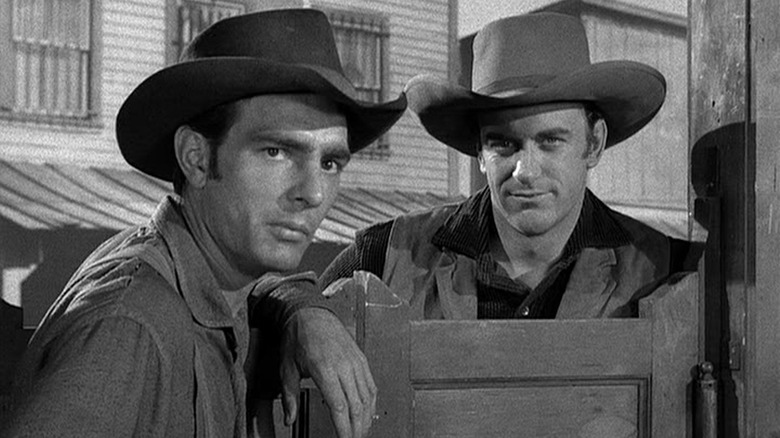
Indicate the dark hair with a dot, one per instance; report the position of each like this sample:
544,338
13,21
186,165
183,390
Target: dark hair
213,124
592,115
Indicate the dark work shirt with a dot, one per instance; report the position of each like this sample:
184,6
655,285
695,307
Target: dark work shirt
468,232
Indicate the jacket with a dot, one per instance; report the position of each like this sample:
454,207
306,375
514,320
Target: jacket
141,342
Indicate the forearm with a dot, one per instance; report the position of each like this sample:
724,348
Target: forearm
275,299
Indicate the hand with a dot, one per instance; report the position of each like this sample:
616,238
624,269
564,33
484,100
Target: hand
316,344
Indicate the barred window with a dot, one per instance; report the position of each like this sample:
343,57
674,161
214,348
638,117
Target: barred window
47,74
192,16
361,40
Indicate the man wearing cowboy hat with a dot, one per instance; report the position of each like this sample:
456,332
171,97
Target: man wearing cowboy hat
535,243
150,336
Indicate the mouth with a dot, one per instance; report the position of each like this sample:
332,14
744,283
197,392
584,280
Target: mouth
291,231
528,195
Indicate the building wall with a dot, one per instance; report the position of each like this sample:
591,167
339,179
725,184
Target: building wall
419,43
651,168
130,45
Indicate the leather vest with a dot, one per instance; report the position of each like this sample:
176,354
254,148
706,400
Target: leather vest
441,284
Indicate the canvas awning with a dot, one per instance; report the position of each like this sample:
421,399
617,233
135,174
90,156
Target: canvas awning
49,196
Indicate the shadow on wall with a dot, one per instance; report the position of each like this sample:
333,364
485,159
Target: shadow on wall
719,177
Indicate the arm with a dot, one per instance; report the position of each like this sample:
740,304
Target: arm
314,343
102,379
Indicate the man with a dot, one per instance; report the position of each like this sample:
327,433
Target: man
150,336
535,243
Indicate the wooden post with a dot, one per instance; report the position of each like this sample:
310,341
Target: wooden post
763,320
735,111
719,113
382,332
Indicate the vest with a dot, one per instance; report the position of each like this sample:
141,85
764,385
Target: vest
441,284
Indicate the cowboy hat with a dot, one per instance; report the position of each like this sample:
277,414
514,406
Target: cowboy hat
284,51
530,60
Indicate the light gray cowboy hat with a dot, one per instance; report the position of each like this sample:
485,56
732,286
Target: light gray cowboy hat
284,51
530,60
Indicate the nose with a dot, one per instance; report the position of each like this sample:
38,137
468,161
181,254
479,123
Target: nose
527,164
309,191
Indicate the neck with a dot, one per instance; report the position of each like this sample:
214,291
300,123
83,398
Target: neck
228,276
521,254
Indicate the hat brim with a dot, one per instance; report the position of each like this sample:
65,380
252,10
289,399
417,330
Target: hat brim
628,94
149,117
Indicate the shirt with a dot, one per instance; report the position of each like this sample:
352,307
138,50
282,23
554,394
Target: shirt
468,232
123,353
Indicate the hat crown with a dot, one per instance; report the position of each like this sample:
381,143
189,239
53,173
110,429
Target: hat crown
288,36
517,54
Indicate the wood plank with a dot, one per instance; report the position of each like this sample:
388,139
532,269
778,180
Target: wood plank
719,112
442,350
603,409
764,306
674,311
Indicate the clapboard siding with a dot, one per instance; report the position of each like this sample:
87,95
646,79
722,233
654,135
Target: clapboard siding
651,168
131,41
133,48
418,44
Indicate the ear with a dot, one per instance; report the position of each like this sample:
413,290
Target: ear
598,144
481,162
192,154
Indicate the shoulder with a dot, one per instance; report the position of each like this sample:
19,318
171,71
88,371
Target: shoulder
125,287
674,255
434,216
640,233
416,223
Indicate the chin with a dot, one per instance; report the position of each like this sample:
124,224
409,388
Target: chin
283,259
531,226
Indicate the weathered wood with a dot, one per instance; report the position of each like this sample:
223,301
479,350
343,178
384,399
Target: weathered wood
383,334
511,350
673,312
530,378
763,353
721,155
597,409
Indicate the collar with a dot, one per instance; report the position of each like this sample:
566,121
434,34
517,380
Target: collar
197,284
468,229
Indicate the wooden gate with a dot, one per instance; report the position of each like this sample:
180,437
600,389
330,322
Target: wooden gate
543,378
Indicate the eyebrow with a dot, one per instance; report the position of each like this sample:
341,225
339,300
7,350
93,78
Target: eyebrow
553,131
543,133
331,151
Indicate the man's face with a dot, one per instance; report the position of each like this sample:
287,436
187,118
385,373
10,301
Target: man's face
536,160
279,170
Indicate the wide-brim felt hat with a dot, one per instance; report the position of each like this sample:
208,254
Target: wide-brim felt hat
536,59
272,52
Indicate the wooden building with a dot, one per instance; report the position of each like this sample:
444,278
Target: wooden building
68,66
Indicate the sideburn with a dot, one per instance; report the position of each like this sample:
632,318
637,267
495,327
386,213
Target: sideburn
213,171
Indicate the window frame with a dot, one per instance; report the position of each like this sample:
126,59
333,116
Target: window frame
380,148
173,44
91,116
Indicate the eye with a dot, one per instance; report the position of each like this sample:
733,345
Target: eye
551,141
332,166
501,145
272,152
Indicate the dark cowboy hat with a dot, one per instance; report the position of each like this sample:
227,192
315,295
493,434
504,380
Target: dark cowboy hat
285,51
530,60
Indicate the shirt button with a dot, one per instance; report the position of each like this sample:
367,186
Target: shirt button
525,311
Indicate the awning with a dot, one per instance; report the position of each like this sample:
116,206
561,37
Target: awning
49,196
